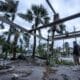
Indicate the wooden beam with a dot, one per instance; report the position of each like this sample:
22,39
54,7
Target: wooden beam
41,27
51,6
70,35
57,22
17,26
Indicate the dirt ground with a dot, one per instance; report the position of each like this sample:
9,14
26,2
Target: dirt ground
27,71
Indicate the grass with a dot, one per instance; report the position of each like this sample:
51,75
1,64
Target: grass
63,62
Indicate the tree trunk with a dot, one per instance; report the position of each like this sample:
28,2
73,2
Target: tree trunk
34,45
52,44
15,45
14,52
9,36
40,37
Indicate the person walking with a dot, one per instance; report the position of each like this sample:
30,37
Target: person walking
76,53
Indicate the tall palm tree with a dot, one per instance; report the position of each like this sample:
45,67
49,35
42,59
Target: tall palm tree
36,15
10,8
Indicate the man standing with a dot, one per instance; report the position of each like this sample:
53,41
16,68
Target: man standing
76,53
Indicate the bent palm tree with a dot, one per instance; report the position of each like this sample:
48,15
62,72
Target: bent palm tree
36,15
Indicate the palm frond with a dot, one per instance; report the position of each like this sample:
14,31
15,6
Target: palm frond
3,6
28,16
22,15
12,5
43,11
35,10
39,10
60,29
46,20
26,38
9,6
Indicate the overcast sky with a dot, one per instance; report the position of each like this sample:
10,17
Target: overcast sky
63,7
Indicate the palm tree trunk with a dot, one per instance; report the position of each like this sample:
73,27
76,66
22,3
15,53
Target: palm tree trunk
8,40
52,50
13,18
52,44
40,36
34,45
9,36
47,61
15,46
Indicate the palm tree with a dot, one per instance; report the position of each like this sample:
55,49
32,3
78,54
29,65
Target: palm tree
9,6
12,10
36,15
60,29
5,45
17,38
